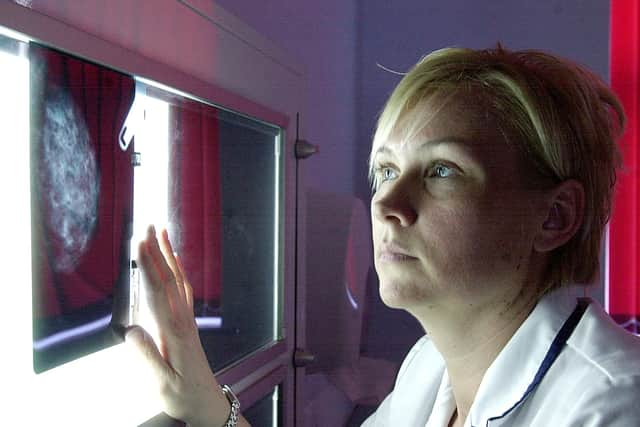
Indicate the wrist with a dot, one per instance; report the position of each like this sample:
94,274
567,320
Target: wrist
213,413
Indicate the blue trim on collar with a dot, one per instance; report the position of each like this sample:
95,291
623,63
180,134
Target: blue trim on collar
552,354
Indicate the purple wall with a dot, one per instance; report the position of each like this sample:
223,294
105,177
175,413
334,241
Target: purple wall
321,35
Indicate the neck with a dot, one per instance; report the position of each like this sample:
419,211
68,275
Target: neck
470,336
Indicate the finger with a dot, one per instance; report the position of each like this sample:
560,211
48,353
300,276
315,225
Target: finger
157,298
188,290
165,274
138,338
158,257
167,251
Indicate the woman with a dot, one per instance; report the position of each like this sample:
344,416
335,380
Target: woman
492,174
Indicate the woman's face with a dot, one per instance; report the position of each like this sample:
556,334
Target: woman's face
453,219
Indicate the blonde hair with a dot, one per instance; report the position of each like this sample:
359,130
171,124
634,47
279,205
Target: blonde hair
562,117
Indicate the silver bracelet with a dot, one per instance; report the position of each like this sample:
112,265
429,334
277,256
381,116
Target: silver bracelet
232,421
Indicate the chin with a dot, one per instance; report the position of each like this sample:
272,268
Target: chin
396,294
391,301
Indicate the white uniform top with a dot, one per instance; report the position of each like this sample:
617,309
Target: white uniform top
595,380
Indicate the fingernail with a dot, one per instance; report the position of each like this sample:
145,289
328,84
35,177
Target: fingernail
152,230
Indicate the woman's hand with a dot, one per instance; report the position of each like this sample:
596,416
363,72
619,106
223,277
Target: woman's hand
188,388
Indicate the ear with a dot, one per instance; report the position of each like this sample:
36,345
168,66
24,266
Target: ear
565,213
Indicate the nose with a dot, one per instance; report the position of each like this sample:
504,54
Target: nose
394,205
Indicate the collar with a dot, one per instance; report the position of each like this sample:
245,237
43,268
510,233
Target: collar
444,404
514,370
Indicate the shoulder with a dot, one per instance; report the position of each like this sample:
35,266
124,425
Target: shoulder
594,381
601,373
604,349
605,401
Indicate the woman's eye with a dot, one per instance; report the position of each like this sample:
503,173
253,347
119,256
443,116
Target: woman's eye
442,171
383,174
388,173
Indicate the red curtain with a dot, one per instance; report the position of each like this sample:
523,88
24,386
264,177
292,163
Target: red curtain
624,230
82,182
195,199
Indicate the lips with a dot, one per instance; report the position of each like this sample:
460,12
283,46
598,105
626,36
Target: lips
391,251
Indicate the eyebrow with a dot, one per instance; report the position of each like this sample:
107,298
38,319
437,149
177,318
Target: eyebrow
447,140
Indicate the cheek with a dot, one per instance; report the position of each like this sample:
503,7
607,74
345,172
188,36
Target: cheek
465,244
375,229
497,240
453,232
378,229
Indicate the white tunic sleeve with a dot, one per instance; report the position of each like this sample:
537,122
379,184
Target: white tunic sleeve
609,403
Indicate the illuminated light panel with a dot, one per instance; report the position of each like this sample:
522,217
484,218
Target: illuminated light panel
79,393
275,406
151,188
15,251
73,394
117,376
6,32
151,181
209,322
276,247
73,333
168,89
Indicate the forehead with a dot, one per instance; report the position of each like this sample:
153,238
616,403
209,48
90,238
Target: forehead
464,117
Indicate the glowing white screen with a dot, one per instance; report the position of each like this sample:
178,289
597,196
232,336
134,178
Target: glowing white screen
108,388
150,203
15,250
